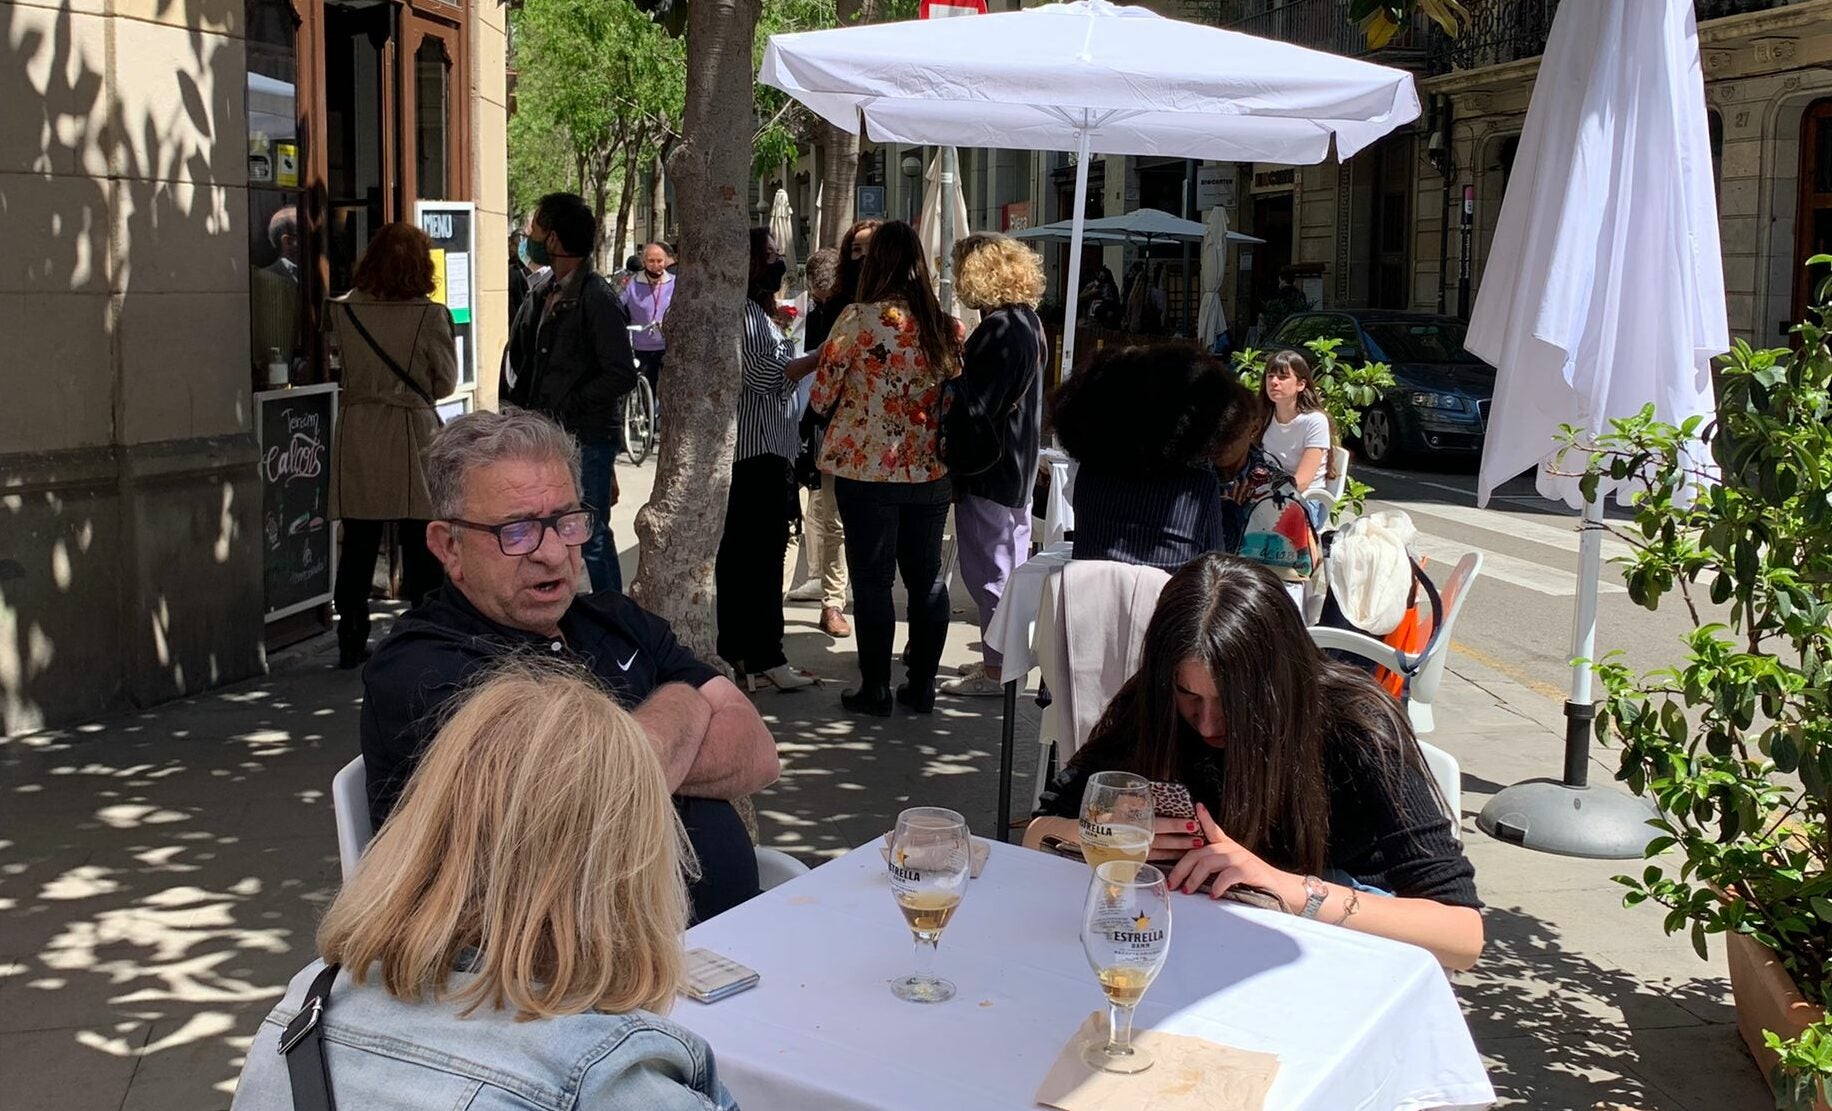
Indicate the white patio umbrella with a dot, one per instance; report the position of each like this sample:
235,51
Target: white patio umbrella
1604,291
1090,75
1213,320
939,236
1142,225
782,226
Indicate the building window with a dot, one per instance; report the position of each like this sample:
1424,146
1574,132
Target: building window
432,118
1813,222
276,232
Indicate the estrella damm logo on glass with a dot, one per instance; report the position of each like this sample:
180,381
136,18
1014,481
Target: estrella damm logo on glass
905,875
1091,828
1141,933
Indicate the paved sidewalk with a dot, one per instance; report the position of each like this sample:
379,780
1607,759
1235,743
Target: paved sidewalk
161,873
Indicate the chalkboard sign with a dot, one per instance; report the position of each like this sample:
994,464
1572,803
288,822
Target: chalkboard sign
295,427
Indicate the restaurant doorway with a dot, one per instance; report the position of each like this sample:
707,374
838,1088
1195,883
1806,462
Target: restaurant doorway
1273,218
1813,219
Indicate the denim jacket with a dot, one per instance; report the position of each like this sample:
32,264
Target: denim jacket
382,1052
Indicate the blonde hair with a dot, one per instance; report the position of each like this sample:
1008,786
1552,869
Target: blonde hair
994,270
537,831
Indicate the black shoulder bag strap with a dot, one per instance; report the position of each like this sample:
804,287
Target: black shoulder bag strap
406,378
1410,667
302,1044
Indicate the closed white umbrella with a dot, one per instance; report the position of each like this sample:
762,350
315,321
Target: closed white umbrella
1090,75
1213,320
782,226
1604,291
938,236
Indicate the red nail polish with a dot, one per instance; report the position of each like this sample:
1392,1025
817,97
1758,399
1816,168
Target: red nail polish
1190,826
1196,842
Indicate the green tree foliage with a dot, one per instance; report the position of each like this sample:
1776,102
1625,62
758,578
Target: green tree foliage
1736,744
599,91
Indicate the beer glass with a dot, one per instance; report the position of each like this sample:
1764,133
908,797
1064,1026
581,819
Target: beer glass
1125,930
1117,821
929,865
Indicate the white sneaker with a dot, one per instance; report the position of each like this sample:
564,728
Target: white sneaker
970,669
975,685
784,677
809,591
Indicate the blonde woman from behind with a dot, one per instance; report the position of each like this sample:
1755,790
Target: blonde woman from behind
513,933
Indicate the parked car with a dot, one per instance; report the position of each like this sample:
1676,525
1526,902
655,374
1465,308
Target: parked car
1441,393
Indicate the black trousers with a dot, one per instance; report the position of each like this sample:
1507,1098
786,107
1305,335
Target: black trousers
748,575
894,527
362,542
728,863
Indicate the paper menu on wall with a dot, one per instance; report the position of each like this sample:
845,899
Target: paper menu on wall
439,276
458,283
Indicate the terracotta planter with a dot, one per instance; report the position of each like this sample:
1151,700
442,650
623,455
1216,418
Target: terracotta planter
1766,999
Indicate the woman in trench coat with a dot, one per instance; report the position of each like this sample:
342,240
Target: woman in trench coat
398,358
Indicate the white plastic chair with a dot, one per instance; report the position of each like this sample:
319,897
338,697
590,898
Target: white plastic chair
1423,690
775,868
350,806
1338,486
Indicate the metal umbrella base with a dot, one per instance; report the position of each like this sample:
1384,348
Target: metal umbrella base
1553,817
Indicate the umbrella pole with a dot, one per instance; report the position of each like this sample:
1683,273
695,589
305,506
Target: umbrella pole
945,260
1078,227
1569,817
1580,708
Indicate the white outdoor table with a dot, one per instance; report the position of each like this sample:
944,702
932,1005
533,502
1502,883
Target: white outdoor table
1356,1021
1011,632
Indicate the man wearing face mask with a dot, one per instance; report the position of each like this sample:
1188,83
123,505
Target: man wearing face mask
748,574
569,357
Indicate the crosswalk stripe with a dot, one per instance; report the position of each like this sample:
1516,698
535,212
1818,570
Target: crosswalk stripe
1509,569
1517,526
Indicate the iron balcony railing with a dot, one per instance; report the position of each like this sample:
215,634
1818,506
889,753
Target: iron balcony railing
1497,32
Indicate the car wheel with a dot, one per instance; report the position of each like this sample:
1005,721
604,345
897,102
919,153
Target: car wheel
1380,436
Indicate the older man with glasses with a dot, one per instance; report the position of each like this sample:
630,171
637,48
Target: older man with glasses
509,528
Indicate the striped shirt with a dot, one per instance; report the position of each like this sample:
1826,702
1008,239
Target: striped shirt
766,426
1161,522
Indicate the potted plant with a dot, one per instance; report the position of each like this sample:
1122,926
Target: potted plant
1346,391
1735,743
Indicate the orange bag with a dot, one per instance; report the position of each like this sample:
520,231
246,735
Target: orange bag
1413,636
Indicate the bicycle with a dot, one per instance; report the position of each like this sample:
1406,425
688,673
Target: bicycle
639,421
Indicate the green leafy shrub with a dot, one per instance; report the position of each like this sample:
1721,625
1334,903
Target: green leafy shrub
1735,744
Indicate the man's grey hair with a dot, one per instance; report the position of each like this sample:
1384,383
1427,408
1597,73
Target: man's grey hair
483,438
281,224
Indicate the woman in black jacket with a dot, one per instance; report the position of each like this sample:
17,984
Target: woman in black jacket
1002,380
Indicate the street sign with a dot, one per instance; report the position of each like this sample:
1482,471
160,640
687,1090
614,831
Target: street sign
870,205
1215,186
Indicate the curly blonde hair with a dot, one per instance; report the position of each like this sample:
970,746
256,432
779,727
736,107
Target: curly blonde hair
994,270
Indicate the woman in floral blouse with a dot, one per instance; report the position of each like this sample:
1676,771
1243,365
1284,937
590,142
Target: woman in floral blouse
880,376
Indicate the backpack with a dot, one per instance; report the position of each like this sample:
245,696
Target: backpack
1268,524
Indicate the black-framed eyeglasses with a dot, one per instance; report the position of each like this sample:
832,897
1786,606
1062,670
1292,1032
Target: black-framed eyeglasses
519,538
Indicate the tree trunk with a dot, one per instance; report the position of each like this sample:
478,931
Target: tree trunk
625,204
601,187
840,172
658,195
678,531
839,185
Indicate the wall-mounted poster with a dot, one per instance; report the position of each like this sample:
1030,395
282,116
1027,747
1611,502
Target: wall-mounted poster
298,556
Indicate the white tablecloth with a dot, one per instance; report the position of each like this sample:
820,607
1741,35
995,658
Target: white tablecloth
1356,1021
1013,627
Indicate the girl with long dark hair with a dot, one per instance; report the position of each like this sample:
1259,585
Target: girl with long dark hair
880,377
1309,783
1297,430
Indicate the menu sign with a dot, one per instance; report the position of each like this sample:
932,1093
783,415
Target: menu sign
452,226
295,428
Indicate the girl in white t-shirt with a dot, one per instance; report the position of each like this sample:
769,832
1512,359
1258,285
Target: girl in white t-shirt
1297,431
